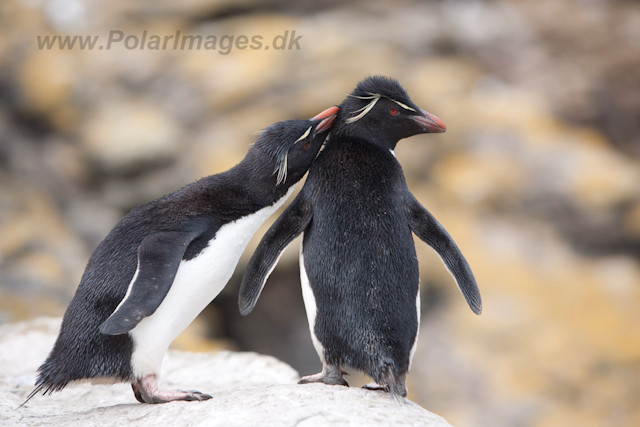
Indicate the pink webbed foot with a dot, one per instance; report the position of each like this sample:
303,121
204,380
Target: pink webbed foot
146,391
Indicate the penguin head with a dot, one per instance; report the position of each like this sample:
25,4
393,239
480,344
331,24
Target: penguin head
292,145
379,110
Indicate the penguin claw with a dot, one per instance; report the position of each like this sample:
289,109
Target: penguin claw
198,395
136,392
192,395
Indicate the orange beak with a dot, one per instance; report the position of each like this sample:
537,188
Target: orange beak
430,123
327,117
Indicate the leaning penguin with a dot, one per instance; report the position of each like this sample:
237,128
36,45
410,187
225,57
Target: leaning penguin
358,264
165,261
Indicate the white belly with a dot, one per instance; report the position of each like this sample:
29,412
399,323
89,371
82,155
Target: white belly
310,304
415,341
197,282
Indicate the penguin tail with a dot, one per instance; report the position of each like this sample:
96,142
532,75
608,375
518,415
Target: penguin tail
45,383
37,390
393,382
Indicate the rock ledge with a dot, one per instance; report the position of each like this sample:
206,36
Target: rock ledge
248,389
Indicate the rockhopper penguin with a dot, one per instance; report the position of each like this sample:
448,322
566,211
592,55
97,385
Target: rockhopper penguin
165,261
358,265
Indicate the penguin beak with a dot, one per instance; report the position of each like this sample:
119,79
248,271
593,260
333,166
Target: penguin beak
429,123
327,117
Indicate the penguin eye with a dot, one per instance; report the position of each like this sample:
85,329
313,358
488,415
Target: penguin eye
394,112
306,145
304,136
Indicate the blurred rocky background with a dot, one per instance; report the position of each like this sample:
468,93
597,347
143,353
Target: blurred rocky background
537,177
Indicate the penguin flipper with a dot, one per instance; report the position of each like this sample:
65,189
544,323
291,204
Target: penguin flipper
287,227
430,231
159,256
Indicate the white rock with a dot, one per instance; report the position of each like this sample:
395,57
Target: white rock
248,390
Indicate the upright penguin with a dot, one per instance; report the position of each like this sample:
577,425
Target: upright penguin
166,260
358,265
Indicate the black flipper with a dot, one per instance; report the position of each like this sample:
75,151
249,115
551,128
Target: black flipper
159,256
287,227
429,230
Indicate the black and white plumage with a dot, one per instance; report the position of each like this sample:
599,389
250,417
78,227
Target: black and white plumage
358,265
166,260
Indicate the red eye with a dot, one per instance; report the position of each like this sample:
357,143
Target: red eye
394,112
306,145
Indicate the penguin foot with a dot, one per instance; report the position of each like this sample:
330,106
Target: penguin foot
320,378
379,387
331,375
375,386
146,391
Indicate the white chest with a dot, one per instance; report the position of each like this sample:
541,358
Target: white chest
197,282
